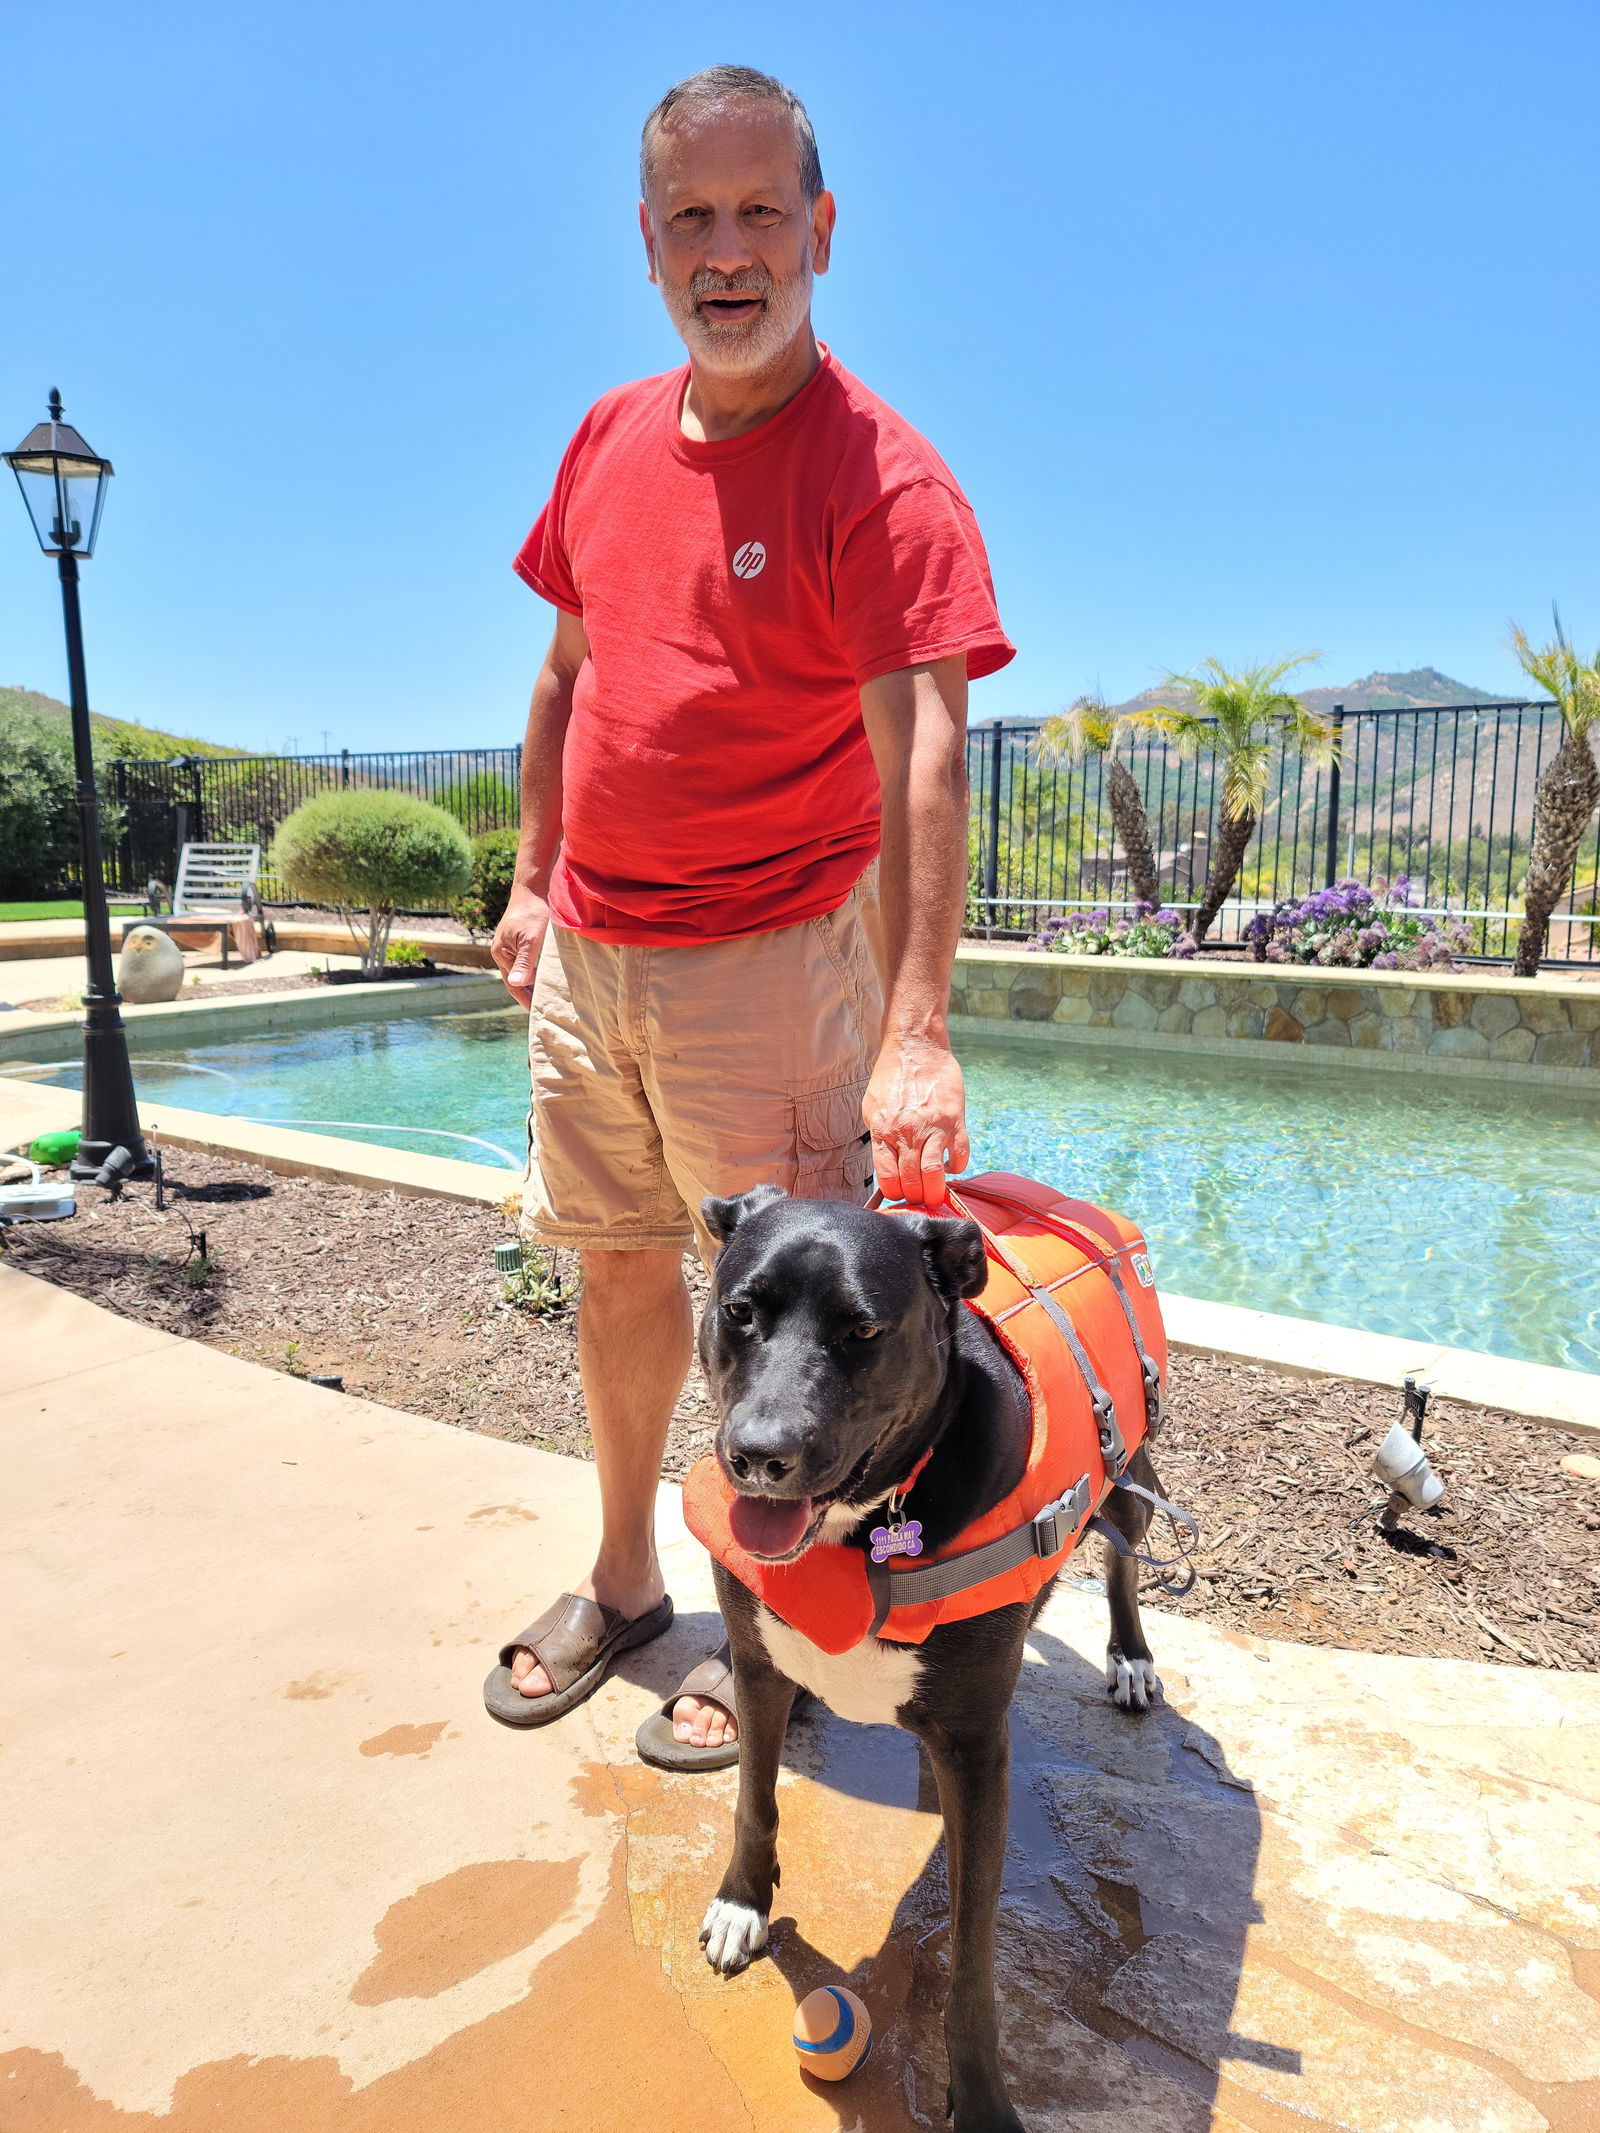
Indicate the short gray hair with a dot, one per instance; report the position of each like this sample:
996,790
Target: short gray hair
727,85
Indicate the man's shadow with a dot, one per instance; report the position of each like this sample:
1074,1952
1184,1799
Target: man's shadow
1129,1893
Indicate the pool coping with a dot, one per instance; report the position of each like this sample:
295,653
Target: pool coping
1300,1347
1057,1036
201,1020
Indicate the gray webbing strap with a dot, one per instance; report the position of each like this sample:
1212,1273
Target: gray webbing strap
1113,1447
1160,1564
1044,1535
1154,1406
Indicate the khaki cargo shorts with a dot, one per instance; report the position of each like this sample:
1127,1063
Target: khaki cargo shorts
663,1074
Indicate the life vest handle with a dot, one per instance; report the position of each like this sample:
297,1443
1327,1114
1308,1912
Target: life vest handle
991,1243
1101,1254
1081,1235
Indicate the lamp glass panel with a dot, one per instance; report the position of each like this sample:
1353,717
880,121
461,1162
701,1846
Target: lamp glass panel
84,494
39,493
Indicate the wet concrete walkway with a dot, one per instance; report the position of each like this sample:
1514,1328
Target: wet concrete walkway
266,1865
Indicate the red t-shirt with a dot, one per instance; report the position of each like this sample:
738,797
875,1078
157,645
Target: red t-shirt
716,779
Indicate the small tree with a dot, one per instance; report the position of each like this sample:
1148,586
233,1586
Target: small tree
372,853
1567,789
1089,728
1238,718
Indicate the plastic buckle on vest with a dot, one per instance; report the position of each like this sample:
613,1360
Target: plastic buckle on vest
1058,1522
1155,1406
1113,1446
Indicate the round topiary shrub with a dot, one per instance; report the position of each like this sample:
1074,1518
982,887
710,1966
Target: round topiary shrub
494,866
374,853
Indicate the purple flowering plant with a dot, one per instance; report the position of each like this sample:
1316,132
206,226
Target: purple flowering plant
1356,927
1144,930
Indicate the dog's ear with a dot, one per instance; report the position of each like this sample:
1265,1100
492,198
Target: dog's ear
952,1254
722,1217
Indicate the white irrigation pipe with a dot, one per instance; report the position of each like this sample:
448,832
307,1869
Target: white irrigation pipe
356,1125
176,1066
362,1125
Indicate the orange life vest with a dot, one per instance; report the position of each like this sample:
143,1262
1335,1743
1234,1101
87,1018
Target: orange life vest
1071,1298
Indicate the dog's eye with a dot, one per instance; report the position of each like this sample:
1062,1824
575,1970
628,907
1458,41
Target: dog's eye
865,1333
738,1310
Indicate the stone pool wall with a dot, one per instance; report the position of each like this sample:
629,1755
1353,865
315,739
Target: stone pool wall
1476,1022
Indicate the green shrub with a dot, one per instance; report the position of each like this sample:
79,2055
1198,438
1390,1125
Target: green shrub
406,955
494,862
375,853
483,801
39,848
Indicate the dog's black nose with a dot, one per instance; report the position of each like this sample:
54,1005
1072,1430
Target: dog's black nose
760,1469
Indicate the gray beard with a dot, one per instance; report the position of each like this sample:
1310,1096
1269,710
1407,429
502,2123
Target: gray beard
737,351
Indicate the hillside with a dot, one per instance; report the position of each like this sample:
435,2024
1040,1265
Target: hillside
112,736
1418,688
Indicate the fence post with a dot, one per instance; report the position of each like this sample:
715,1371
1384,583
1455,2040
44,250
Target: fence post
1332,868
125,841
344,766
991,868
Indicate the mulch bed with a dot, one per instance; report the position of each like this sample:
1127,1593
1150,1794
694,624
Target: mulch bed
400,1297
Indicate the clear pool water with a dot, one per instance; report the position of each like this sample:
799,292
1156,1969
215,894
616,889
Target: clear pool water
1452,1211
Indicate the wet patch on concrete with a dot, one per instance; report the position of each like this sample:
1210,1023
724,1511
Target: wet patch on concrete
405,1740
503,1514
315,1687
450,1929
599,2043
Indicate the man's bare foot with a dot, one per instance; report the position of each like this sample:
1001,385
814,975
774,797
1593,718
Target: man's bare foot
707,1725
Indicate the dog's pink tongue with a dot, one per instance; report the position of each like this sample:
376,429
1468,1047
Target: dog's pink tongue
762,1525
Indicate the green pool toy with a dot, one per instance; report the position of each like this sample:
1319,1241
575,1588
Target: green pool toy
53,1149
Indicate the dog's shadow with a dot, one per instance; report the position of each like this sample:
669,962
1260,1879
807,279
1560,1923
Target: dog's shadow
1129,1892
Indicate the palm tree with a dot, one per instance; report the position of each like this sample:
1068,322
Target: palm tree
1238,718
1089,728
1568,789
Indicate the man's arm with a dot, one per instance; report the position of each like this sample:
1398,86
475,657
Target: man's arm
915,1105
520,934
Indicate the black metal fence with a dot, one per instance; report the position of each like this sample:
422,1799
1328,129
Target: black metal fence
1442,795
242,799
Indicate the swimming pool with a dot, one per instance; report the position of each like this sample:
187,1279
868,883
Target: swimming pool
1461,1212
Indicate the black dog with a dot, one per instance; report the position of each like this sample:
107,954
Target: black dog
838,1352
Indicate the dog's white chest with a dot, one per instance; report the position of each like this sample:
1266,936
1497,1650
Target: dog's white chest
868,1684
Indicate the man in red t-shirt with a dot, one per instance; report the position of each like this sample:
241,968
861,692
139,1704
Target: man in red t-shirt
743,863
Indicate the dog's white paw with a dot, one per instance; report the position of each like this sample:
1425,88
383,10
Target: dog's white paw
1131,1683
731,1934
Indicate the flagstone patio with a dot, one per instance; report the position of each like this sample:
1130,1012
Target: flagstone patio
266,1864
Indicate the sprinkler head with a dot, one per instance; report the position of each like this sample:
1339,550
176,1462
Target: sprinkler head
508,1258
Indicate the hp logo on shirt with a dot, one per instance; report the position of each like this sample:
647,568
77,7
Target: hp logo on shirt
750,560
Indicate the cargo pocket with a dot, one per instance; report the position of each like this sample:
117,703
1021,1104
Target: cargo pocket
832,1148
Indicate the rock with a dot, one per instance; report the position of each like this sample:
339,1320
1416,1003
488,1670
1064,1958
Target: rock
150,966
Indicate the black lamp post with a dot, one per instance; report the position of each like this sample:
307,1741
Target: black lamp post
63,485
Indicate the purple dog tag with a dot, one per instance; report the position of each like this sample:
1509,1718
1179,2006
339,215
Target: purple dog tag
904,1539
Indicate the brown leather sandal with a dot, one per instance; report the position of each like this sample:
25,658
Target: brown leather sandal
655,1740
575,1641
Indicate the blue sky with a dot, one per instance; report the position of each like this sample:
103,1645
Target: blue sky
1248,327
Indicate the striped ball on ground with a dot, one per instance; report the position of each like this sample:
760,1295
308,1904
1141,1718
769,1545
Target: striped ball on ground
832,2032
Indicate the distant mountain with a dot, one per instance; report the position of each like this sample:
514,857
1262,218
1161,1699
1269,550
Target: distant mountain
1416,688
112,736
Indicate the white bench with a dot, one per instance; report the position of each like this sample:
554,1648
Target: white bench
217,896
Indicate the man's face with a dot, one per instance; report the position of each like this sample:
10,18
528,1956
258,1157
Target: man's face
731,241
